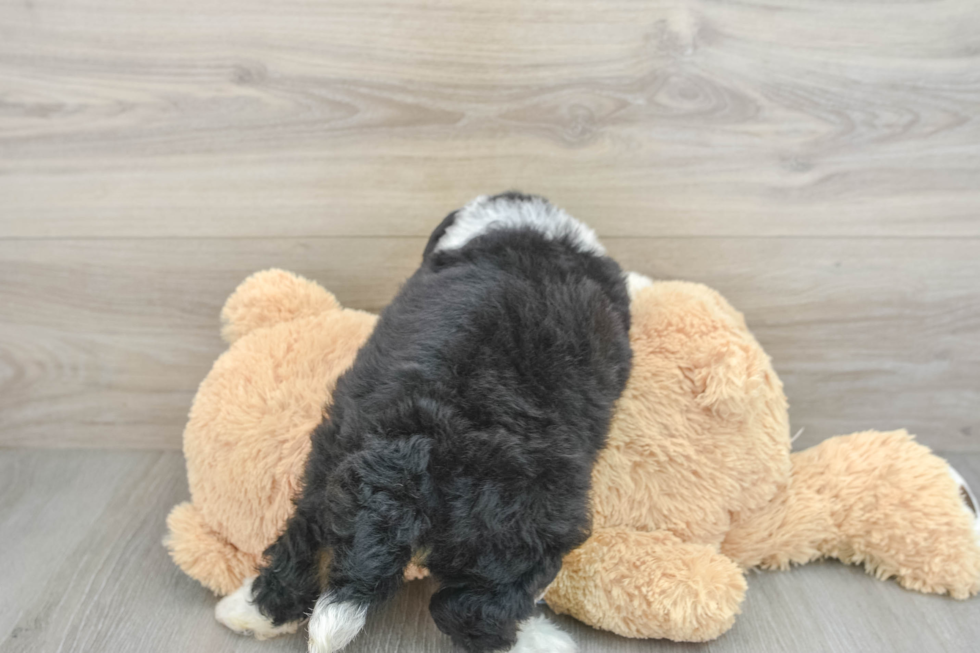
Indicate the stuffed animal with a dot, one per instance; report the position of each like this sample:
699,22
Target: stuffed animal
696,484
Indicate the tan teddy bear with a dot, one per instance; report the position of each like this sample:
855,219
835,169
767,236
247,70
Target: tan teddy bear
696,484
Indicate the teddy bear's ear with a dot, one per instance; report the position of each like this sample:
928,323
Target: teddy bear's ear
270,297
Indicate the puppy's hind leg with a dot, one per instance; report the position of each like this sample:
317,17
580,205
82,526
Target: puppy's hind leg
372,542
334,624
366,569
238,612
286,588
489,607
498,619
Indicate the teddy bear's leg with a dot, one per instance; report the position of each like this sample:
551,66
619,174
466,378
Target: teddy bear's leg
898,511
203,554
270,297
872,498
650,585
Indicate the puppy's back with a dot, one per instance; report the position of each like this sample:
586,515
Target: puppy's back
524,325
467,427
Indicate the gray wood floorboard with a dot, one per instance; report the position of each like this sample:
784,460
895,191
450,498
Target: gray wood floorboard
815,161
84,570
865,334
357,117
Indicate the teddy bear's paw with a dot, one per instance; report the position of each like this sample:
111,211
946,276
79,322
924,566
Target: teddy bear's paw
969,499
538,635
237,612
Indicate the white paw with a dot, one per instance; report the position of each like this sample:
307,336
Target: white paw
334,625
635,282
538,635
236,611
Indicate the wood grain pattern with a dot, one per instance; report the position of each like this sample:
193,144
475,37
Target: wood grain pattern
817,162
365,117
103,342
83,532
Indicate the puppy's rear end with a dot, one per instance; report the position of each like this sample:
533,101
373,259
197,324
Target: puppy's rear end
465,432
542,355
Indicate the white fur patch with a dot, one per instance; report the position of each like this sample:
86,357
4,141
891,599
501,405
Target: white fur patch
635,282
538,635
334,625
485,214
236,611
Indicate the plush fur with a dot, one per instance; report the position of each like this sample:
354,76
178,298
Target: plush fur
698,483
289,342
466,428
702,427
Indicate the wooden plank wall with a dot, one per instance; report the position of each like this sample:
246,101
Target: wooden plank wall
817,162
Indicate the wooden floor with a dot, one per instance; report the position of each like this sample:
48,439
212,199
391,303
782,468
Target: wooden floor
84,571
818,162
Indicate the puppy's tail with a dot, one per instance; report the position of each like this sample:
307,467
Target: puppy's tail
382,519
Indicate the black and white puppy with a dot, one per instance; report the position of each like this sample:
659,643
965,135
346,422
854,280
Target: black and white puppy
464,434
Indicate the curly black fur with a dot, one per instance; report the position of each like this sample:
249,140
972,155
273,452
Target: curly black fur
466,429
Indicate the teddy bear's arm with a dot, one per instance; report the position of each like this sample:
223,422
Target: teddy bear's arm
270,297
649,585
